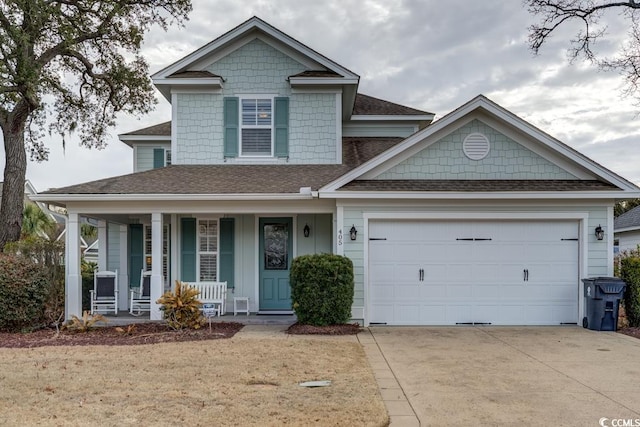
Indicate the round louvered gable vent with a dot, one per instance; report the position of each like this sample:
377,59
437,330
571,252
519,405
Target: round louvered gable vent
476,146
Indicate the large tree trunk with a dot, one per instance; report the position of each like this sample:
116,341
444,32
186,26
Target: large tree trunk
15,170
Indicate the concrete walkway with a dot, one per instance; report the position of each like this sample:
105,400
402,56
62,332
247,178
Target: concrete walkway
505,375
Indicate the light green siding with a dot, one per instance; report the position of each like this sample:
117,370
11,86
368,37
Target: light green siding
112,246
380,130
506,160
199,128
256,68
144,155
319,240
597,251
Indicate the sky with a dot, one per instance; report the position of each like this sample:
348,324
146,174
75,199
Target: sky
427,54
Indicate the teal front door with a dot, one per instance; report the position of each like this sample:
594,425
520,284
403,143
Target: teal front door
275,259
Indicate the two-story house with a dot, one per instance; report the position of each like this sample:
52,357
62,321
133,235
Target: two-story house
271,152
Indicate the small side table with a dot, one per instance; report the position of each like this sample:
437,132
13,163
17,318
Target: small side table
237,309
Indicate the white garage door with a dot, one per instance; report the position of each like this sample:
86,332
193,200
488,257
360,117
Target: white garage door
454,272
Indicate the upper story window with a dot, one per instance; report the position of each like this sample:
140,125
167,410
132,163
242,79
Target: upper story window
256,126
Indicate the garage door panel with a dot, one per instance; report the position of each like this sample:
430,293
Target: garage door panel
473,281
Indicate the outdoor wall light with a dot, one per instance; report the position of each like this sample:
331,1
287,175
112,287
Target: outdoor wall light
599,233
306,230
353,232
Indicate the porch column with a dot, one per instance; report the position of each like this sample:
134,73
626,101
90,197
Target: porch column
123,267
102,245
73,284
173,254
157,285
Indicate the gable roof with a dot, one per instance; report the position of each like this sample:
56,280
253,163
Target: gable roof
587,169
630,220
321,70
366,105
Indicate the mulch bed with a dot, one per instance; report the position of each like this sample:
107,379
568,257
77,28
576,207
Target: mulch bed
347,329
633,332
139,333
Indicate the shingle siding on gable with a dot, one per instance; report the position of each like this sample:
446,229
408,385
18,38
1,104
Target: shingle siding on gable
253,69
506,160
256,68
199,129
312,128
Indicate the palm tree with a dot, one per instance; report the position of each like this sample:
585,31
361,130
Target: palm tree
35,222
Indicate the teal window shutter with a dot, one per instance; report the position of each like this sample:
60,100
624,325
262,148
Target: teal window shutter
227,226
158,158
231,122
281,122
136,254
188,250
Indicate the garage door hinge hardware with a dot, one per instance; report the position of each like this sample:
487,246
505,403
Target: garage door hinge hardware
421,275
526,275
377,238
571,240
473,239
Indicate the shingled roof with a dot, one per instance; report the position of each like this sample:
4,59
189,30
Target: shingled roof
235,179
162,129
366,105
192,75
478,185
317,73
629,219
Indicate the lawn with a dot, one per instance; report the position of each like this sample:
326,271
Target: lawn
237,381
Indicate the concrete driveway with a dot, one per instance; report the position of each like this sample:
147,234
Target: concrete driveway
508,375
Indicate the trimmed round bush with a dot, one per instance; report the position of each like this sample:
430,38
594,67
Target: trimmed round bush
322,289
24,292
630,273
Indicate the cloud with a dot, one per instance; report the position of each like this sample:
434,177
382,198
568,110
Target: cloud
425,54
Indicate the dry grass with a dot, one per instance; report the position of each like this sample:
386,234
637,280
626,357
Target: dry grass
238,381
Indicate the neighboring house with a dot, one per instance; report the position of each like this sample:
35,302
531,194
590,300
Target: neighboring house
627,230
271,153
29,191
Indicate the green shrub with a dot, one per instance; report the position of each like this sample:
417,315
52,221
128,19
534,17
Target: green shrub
87,269
24,293
181,307
50,256
322,289
630,273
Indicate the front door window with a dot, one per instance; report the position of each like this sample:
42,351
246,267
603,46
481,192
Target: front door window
276,250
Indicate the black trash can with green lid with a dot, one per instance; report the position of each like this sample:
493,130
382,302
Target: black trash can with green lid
602,302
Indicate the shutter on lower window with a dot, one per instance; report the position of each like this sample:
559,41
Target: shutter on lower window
158,158
136,254
281,123
188,250
231,122
227,226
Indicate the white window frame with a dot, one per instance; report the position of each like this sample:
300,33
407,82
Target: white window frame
167,157
199,252
270,126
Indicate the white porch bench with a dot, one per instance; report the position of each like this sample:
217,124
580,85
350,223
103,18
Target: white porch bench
212,293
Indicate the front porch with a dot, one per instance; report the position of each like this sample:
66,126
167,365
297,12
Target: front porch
221,242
